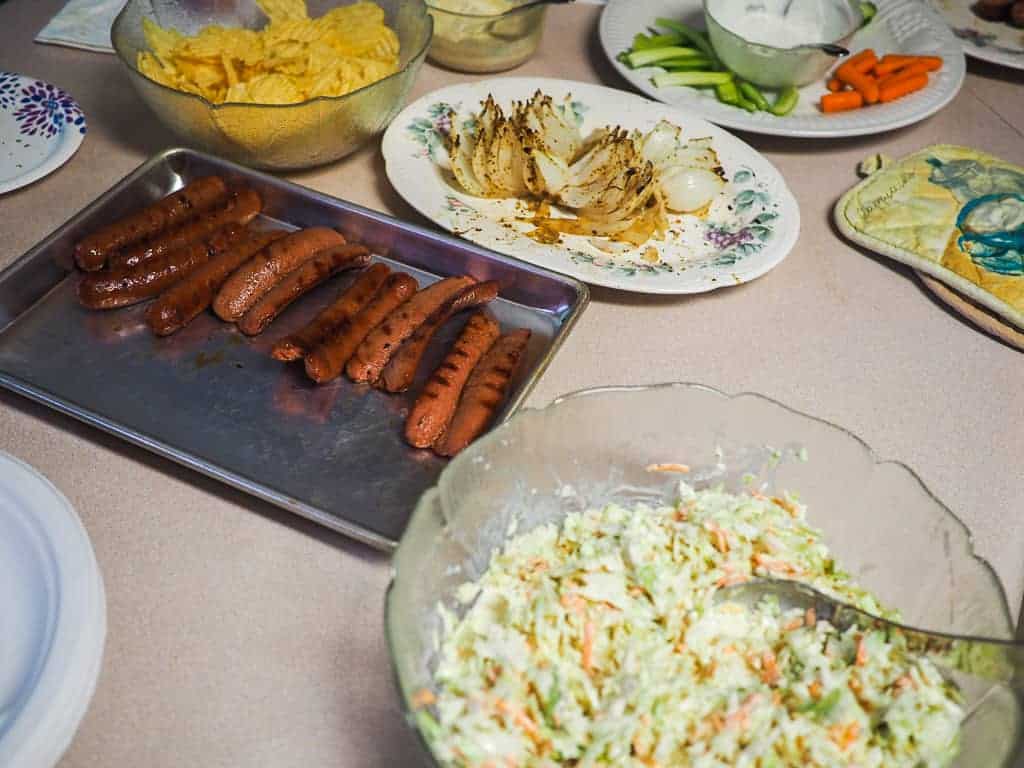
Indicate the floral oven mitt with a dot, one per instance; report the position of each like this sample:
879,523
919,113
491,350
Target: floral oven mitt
952,212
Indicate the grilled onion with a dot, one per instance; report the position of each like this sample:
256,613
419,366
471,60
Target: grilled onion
619,184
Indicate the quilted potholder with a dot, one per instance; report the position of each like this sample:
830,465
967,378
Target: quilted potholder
952,212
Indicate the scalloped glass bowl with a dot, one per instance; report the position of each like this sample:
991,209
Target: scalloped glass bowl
272,136
591,447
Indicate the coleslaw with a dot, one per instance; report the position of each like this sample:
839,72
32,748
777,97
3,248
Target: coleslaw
598,643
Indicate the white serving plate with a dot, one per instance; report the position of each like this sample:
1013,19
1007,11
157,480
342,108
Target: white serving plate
748,230
901,26
53,622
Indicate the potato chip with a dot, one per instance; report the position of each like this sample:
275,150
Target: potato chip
229,70
292,59
274,89
207,76
162,41
282,10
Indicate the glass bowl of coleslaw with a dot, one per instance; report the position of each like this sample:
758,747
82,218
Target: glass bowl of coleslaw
623,494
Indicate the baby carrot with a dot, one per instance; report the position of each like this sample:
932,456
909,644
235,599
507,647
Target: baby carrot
901,87
865,65
865,84
834,85
932,63
899,74
892,62
842,101
858,60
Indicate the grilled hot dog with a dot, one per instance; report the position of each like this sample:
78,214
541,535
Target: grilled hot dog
241,208
251,282
383,341
111,288
400,371
358,295
91,252
181,303
300,281
484,393
434,408
327,361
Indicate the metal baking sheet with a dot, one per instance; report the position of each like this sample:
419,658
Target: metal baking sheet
214,400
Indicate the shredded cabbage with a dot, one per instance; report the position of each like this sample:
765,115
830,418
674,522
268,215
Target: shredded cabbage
598,643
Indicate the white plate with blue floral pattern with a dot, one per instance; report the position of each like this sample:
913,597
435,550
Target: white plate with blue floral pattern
748,230
41,126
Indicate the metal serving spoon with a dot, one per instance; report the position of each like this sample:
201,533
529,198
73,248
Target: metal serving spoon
996,660
830,48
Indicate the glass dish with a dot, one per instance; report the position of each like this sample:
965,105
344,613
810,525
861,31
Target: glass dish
589,448
776,67
469,42
272,136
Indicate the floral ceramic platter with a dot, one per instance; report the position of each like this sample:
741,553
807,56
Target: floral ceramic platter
993,41
900,26
40,129
748,230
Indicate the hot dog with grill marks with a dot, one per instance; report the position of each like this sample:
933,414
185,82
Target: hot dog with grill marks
241,208
327,361
92,251
345,307
299,281
383,341
251,281
484,392
434,408
112,288
183,302
400,371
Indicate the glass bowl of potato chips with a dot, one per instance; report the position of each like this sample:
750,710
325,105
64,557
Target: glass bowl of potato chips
274,84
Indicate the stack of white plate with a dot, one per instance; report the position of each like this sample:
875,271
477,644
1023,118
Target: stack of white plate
53,619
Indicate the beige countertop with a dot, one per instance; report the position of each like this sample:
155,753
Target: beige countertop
240,635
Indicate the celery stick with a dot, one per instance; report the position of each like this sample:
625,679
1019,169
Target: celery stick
685,65
644,42
728,93
747,104
785,101
698,79
753,95
654,55
689,68
689,34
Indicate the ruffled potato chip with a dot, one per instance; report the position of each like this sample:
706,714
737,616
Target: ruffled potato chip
281,10
292,59
273,89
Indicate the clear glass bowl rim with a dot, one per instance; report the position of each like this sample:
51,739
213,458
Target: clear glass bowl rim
115,42
422,508
838,41
482,16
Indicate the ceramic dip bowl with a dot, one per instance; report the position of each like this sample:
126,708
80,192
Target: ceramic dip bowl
776,43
